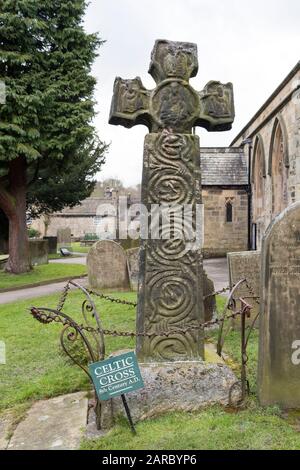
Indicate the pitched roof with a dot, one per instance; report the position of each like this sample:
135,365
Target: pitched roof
86,207
223,166
89,206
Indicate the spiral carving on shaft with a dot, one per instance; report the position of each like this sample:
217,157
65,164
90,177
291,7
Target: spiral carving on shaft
171,290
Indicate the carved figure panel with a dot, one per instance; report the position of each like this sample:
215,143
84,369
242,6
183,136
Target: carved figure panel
130,103
217,106
170,59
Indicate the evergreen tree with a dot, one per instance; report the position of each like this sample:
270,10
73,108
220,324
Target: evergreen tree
49,149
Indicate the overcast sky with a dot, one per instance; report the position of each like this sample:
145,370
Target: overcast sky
252,43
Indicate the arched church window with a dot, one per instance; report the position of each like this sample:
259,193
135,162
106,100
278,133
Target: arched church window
279,170
229,212
258,179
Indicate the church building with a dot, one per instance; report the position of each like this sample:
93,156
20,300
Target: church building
246,185
271,143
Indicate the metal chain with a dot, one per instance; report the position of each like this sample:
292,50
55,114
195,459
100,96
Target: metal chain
225,289
67,288
112,299
63,297
219,292
116,300
50,317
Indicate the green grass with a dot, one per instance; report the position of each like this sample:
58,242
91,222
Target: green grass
42,273
75,246
36,368
58,256
211,429
126,244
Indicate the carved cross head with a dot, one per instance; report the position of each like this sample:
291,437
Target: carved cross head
173,105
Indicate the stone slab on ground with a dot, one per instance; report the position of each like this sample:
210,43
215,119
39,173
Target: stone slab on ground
55,424
210,354
175,386
5,427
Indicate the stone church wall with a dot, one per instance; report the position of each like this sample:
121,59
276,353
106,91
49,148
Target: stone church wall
220,236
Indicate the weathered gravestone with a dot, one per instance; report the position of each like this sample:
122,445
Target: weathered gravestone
38,252
107,266
279,345
210,304
246,265
170,287
64,236
3,261
52,244
133,266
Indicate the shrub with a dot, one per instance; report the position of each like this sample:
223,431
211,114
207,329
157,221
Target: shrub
91,236
33,233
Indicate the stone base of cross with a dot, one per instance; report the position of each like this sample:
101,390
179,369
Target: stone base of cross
170,305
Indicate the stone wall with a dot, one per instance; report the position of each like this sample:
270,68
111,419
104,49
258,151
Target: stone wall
79,225
220,236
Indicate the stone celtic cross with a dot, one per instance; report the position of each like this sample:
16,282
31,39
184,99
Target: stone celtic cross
170,285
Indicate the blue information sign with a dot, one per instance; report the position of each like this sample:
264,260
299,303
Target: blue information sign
116,376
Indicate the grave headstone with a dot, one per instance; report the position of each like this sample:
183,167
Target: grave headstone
170,284
246,265
133,266
210,304
3,261
279,344
107,266
65,252
52,244
64,236
38,252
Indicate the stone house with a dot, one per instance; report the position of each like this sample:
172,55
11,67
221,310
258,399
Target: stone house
94,216
224,174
